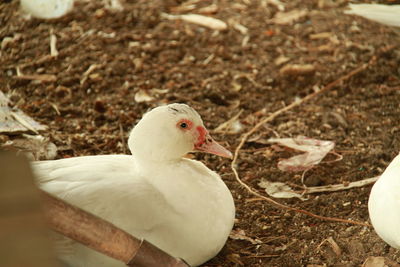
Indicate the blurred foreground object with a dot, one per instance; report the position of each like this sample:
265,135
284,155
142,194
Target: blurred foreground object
47,9
103,236
23,235
385,14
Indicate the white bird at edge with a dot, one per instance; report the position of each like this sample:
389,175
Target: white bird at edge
178,204
384,204
47,9
385,14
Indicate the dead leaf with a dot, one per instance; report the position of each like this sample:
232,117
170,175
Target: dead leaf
374,262
315,150
14,120
279,190
287,18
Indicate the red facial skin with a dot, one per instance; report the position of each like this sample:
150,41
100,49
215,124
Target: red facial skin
202,132
204,142
202,136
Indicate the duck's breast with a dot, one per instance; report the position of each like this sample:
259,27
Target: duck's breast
204,210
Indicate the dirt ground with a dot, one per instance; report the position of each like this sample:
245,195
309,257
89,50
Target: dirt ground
112,66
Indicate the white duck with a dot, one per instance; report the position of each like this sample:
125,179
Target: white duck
384,204
176,203
385,14
47,9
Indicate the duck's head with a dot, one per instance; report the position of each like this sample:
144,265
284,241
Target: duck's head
170,132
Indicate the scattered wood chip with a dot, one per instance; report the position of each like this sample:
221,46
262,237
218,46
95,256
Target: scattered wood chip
211,9
86,74
297,70
235,258
239,234
278,4
281,60
14,121
239,7
183,8
37,77
321,35
143,96
10,40
245,40
287,18
53,44
114,5
208,59
201,20
335,247
239,27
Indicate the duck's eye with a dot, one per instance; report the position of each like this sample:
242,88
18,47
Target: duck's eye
184,124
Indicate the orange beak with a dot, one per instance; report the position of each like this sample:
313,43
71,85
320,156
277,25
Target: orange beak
207,144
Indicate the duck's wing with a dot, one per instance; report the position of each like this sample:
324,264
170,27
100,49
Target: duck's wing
109,187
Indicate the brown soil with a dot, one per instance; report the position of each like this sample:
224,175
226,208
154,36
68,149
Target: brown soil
136,49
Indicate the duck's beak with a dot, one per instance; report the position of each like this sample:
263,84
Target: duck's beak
209,145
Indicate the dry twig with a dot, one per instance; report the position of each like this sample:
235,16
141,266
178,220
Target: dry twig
339,187
275,114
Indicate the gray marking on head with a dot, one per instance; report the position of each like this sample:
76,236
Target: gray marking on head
179,108
174,110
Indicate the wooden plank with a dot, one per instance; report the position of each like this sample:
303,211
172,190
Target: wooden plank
23,233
